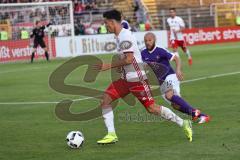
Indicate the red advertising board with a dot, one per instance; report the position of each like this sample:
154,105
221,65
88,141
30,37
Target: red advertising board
199,36
14,50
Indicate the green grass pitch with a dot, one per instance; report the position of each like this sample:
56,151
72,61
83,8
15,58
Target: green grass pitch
32,131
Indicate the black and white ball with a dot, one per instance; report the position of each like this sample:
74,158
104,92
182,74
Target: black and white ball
75,139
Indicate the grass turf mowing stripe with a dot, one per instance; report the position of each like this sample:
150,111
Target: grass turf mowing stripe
86,98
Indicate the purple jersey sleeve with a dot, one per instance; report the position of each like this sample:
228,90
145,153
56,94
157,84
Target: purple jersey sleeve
165,53
125,25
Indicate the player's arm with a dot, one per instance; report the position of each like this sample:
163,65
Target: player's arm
49,24
32,33
181,24
46,26
118,63
168,25
177,61
172,57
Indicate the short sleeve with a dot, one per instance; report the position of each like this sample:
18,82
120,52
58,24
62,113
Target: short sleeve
126,43
168,22
181,22
166,54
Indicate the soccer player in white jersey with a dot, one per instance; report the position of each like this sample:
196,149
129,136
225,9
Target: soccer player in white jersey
133,80
177,25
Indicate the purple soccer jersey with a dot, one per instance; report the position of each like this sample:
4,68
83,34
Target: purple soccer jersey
159,60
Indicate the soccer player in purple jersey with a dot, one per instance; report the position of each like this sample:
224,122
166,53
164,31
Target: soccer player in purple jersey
159,59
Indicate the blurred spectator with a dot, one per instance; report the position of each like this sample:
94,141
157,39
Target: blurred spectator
142,27
24,34
238,19
134,27
79,29
147,26
79,7
94,6
102,29
3,35
88,7
138,11
90,30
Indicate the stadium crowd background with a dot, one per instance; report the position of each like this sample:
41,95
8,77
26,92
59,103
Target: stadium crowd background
82,9
88,19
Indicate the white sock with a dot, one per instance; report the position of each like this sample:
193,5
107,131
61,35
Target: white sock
167,114
176,53
188,53
108,118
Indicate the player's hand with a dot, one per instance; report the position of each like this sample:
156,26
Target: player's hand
179,75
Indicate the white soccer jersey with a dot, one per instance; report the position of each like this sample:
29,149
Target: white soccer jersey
126,42
176,23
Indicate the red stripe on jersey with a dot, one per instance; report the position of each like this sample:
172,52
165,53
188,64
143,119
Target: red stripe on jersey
139,73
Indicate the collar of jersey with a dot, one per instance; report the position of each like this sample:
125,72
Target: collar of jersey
152,50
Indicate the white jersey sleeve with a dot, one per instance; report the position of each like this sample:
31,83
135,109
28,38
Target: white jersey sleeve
181,22
127,43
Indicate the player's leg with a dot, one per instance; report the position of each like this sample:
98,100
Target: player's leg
33,52
116,90
43,45
35,45
46,53
168,114
143,93
174,45
171,91
186,50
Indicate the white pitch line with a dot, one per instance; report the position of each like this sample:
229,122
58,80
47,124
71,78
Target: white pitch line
28,103
86,98
212,76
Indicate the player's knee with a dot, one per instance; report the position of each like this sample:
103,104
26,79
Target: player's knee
106,100
175,106
153,110
184,49
169,94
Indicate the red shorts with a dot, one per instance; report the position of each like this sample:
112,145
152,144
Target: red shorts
121,88
178,43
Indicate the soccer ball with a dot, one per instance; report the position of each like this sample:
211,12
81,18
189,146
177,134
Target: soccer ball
75,139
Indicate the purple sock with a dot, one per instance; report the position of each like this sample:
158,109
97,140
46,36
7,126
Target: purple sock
184,106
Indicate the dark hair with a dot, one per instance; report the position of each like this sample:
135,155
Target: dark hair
113,14
172,9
